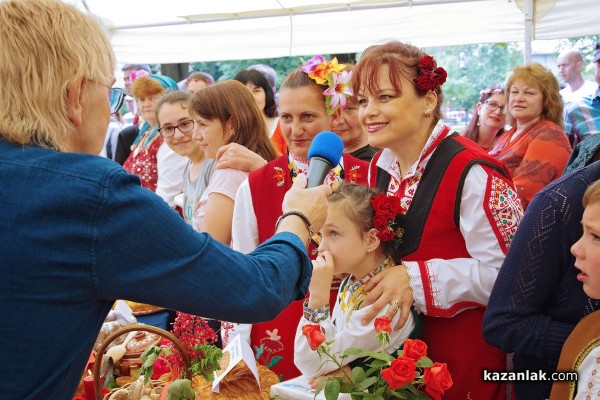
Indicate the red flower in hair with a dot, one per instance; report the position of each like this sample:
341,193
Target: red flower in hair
384,220
430,76
427,62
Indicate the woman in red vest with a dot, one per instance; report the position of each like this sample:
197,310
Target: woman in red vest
304,110
459,212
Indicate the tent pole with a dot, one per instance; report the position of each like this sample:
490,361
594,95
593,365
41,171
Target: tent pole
528,10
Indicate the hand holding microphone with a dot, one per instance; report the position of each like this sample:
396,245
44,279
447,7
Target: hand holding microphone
324,153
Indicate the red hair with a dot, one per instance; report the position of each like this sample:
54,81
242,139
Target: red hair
402,60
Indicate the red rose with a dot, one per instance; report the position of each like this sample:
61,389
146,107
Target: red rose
426,81
440,76
426,62
401,371
385,234
415,349
387,206
383,324
437,380
379,221
314,336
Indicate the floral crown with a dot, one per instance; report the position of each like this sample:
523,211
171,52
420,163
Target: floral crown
138,74
494,89
430,76
332,75
384,219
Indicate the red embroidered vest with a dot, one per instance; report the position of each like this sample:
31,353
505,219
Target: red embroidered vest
431,230
144,163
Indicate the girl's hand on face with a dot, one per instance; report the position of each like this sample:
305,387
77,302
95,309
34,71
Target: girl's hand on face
320,283
386,288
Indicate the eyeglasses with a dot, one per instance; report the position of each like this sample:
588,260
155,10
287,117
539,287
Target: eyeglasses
115,97
184,127
493,106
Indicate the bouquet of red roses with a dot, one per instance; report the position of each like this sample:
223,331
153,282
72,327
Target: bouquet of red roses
410,375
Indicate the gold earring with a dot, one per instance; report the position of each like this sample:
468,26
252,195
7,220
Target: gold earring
428,112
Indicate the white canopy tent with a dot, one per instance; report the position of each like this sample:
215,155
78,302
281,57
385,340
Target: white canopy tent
172,31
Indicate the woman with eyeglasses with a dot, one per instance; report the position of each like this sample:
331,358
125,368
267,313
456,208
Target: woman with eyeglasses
489,118
536,148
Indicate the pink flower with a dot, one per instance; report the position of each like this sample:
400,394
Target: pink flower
338,90
311,64
138,74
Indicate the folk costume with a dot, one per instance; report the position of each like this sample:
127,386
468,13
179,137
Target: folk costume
460,212
260,199
580,353
142,160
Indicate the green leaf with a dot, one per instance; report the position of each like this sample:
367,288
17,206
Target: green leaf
398,395
354,351
378,364
425,362
368,382
149,356
208,363
259,351
358,374
332,389
319,387
379,356
274,361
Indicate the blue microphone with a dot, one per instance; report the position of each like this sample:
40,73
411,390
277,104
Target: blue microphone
324,153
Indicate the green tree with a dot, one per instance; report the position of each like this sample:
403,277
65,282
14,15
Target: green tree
472,68
222,70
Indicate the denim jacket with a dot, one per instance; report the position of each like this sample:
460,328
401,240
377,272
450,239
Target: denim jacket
583,154
77,232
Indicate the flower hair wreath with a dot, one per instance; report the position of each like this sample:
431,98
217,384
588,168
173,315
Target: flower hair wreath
384,219
140,73
332,75
491,91
430,76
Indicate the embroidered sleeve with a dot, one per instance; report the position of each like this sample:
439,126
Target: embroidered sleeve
445,287
503,210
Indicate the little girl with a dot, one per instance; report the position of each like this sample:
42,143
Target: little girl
357,238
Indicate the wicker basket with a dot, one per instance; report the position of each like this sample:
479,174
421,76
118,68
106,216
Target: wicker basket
131,328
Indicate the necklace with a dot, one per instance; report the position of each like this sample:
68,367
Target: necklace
351,147
354,293
337,172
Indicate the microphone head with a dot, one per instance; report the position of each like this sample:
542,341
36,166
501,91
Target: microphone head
327,145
